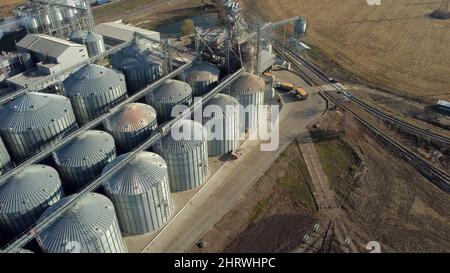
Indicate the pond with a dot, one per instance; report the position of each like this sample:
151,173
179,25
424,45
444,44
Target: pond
174,29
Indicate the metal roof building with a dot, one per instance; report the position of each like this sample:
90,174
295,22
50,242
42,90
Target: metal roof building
49,49
115,33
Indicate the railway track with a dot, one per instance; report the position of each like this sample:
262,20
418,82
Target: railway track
370,109
440,178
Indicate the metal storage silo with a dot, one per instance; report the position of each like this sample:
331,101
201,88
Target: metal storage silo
202,77
140,193
139,65
222,125
33,122
169,94
57,17
90,226
25,196
46,21
269,93
186,155
248,52
94,44
83,159
249,89
5,159
131,126
78,36
93,89
31,24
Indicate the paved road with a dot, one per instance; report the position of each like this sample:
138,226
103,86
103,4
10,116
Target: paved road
227,186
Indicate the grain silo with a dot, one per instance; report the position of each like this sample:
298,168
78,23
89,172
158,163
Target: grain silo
94,44
5,159
248,89
78,36
140,193
202,77
84,158
93,90
185,150
131,126
221,120
139,65
25,196
269,93
169,94
89,226
248,52
34,121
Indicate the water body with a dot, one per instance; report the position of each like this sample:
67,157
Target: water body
174,30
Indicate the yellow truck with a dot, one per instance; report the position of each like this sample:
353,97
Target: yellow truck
301,93
286,86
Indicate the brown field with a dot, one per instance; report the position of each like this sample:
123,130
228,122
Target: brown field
7,5
394,46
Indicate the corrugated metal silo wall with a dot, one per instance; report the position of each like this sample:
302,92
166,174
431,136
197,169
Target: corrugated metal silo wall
143,213
74,178
5,160
250,119
137,79
230,135
24,145
127,141
187,170
87,108
164,109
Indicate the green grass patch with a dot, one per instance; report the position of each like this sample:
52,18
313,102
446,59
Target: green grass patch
340,163
258,209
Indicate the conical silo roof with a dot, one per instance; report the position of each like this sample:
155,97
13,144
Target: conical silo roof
224,102
131,118
172,91
29,189
202,72
247,84
87,149
86,222
34,110
135,55
93,79
138,176
175,142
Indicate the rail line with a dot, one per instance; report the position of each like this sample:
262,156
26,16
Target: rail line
440,178
370,109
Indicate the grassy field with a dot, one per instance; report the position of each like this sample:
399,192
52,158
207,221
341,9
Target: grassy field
7,5
395,45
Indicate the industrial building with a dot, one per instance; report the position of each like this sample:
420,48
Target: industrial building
117,32
49,54
139,192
